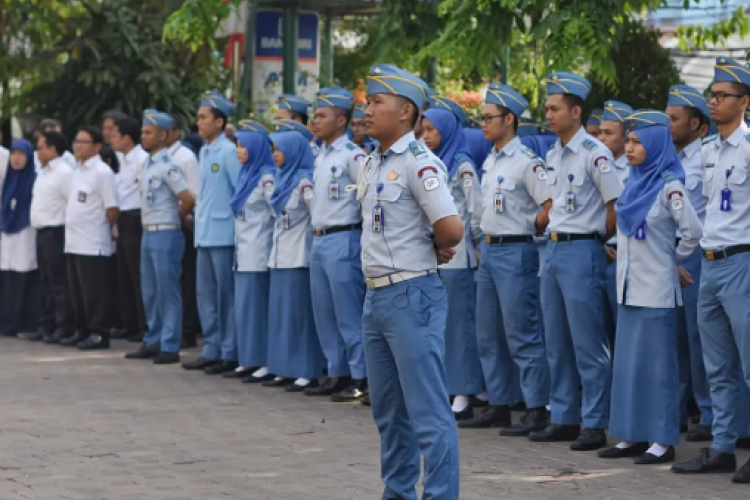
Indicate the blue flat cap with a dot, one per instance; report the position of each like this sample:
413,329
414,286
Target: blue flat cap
686,96
527,128
729,70
292,126
216,101
595,118
388,79
249,125
504,96
747,117
643,118
440,102
158,118
568,83
294,103
615,111
334,98
359,110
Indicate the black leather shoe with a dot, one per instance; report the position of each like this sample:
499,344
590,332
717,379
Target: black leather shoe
52,338
282,382
301,388
492,416
743,474
199,363
167,358
636,450
465,414
478,403
554,433
31,337
145,352
258,380
239,373
535,419
365,401
331,386
699,434
743,442
95,342
74,339
650,459
683,428
518,406
357,390
589,440
708,461
221,367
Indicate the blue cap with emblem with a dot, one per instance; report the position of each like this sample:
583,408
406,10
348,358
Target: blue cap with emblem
615,111
292,126
502,95
334,98
359,110
249,125
729,70
568,83
216,101
294,103
440,102
388,79
595,118
643,118
158,118
687,96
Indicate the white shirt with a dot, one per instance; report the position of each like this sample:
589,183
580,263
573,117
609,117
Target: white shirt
92,192
187,160
67,156
4,157
336,167
50,194
18,251
127,178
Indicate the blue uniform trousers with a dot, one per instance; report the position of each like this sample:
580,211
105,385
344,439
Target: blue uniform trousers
510,336
724,323
251,291
573,283
215,291
338,294
161,257
404,327
610,309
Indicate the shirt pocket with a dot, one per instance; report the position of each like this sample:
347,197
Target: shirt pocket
337,172
391,193
83,193
738,177
509,189
221,215
154,183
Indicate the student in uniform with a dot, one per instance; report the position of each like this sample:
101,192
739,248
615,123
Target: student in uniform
18,243
295,108
293,348
584,188
214,239
410,226
253,231
592,124
725,284
688,111
52,125
515,206
337,284
444,136
479,147
653,206
165,201
358,127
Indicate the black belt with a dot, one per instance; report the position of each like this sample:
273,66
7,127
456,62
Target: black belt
495,240
562,237
727,252
338,229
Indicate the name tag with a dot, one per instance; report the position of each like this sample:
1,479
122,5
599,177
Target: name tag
570,202
150,198
377,219
285,220
333,190
82,197
499,201
726,200
640,233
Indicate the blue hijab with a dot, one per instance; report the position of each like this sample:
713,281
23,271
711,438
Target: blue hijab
298,163
259,162
479,147
646,180
15,205
452,140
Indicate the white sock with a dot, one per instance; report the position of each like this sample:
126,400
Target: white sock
657,450
623,445
482,396
240,369
278,378
260,372
460,403
302,382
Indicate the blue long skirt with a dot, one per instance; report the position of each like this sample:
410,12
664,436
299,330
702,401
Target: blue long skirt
293,347
646,381
461,353
251,290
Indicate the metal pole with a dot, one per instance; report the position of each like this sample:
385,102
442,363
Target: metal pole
290,49
328,55
506,64
247,73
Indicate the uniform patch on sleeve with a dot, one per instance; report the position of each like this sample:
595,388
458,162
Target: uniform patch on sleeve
431,183
603,165
417,149
422,171
540,171
359,157
467,178
676,199
174,174
307,192
268,186
589,144
351,146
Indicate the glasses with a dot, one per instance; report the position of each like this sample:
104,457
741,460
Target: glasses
721,96
489,118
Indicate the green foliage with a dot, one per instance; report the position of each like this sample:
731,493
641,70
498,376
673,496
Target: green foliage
195,22
701,37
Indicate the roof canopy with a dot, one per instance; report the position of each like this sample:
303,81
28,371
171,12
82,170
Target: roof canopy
335,7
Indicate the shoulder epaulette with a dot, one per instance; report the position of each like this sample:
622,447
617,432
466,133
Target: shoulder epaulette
551,147
462,158
529,152
351,146
668,176
589,144
747,137
711,138
417,149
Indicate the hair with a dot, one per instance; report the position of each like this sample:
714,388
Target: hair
740,88
129,127
301,117
114,115
218,115
178,123
507,111
56,140
693,113
343,112
572,101
47,123
94,133
109,157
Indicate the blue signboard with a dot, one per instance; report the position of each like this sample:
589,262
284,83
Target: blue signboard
269,32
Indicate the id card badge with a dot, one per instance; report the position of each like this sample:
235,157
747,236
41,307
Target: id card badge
499,203
377,219
333,190
241,215
640,232
570,202
726,194
150,198
285,219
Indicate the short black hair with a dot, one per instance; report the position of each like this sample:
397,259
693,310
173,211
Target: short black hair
178,123
129,127
219,115
47,123
694,113
56,140
415,114
345,112
740,88
114,115
301,117
506,111
94,133
572,101
108,156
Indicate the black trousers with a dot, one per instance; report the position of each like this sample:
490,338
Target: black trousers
88,278
19,300
56,310
191,324
130,300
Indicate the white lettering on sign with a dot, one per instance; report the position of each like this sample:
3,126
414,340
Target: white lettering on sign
277,43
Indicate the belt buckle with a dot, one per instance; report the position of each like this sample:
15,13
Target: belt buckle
318,232
370,282
553,236
710,255
487,239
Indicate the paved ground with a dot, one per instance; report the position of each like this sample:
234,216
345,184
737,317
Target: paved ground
97,427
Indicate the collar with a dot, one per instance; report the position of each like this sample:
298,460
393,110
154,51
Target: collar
734,139
509,149
691,149
216,144
174,147
338,143
53,163
94,160
155,157
402,144
133,153
621,162
575,142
